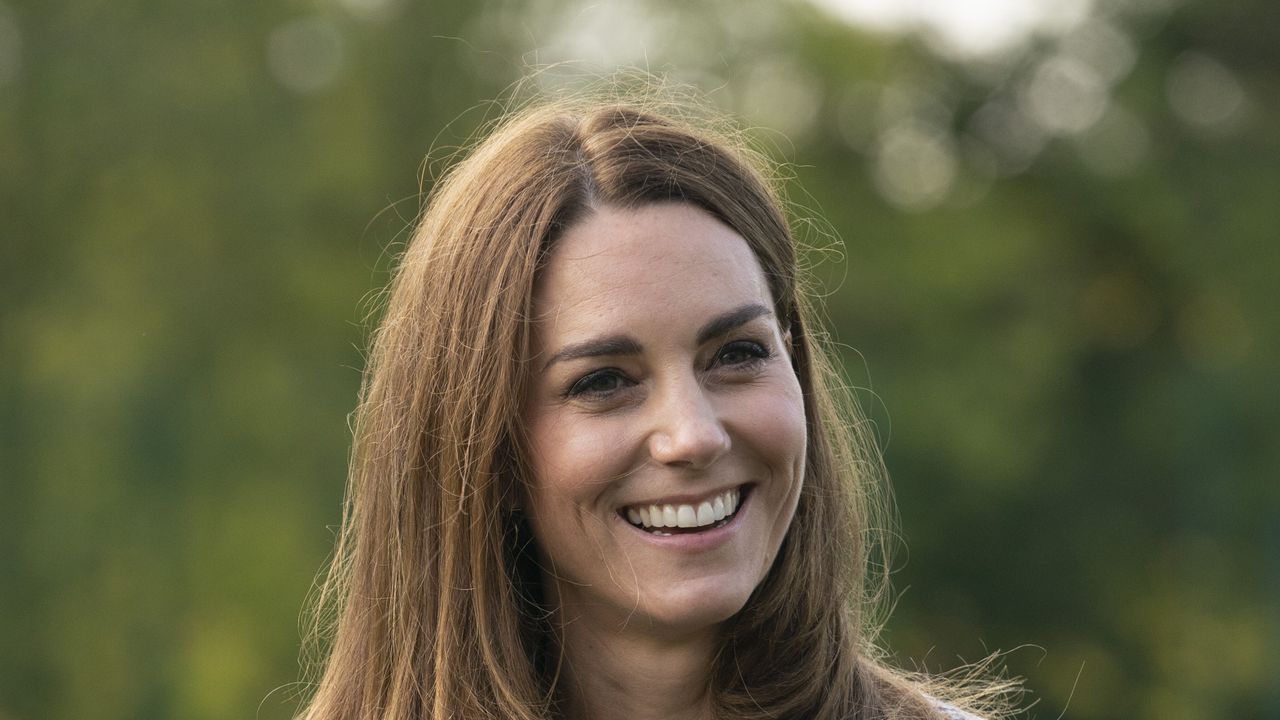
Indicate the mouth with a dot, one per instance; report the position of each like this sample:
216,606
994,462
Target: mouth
685,518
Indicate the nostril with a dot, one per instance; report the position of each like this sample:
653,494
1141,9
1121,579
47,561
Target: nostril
689,450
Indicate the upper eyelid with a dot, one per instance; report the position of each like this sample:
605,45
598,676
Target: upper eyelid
610,371
757,329
759,349
762,341
718,326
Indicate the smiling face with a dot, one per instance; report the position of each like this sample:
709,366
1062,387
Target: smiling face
666,424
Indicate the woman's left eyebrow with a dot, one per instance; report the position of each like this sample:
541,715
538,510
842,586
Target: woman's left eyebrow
722,324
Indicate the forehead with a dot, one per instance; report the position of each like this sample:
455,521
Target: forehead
673,259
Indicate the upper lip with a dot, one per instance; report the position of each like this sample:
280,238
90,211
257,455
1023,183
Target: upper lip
687,498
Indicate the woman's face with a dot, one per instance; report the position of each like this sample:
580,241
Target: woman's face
666,424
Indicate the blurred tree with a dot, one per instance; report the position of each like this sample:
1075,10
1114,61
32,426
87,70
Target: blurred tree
1056,291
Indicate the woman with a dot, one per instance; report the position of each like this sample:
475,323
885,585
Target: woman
602,467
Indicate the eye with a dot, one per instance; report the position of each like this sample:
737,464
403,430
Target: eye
599,383
741,353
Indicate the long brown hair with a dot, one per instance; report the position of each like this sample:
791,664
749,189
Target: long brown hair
430,608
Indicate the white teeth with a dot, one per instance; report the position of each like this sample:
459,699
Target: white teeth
706,515
687,516
707,512
669,517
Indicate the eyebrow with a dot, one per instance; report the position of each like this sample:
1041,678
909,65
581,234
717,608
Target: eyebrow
722,324
623,345
612,345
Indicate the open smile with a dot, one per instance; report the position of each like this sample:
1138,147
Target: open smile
674,518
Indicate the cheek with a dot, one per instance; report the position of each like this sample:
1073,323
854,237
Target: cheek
567,453
573,461
777,427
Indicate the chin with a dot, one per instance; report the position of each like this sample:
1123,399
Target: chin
695,607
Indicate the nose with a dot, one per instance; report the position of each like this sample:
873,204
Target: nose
687,431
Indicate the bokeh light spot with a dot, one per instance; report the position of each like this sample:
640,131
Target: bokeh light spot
903,99
915,165
377,10
1103,47
782,96
1064,96
607,35
1015,141
305,55
1203,93
964,31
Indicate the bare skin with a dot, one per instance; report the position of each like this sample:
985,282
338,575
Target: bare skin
664,382
636,677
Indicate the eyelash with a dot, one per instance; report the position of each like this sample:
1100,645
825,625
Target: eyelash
580,387
756,354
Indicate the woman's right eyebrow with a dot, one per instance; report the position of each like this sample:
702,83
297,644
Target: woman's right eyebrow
599,347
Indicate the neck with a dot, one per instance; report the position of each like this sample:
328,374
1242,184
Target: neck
627,672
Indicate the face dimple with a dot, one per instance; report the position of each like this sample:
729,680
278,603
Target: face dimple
630,406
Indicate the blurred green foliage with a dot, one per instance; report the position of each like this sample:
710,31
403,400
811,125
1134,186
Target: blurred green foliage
1057,296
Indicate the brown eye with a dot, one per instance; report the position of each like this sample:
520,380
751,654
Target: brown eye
599,383
741,353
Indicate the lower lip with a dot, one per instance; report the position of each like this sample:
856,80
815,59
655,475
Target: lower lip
699,541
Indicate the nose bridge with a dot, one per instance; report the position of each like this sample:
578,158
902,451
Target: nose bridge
688,429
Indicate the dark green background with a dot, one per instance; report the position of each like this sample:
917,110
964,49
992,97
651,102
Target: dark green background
1068,354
